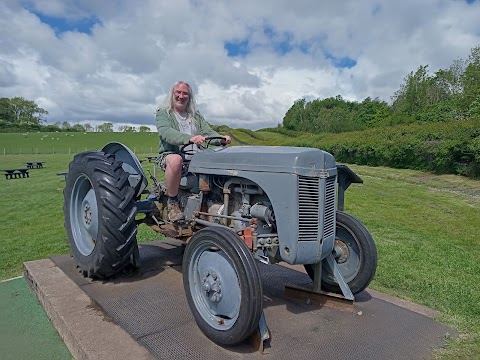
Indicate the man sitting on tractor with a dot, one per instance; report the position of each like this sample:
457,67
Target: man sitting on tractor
178,123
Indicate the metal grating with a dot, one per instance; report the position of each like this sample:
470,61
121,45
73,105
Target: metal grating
151,306
308,208
329,214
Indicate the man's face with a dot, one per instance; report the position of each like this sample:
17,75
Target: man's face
181,97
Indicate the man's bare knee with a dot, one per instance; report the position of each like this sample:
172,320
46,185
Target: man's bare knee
174,162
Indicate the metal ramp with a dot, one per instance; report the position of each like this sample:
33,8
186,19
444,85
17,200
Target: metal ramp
150,305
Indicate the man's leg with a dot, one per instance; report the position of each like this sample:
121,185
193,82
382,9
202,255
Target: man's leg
173,174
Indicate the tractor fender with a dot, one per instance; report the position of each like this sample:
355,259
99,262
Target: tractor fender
131,165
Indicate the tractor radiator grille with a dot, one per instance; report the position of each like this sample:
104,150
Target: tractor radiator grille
308,208
329,215
309,216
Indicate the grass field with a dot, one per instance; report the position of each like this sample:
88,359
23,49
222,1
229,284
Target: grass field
73,142
425,226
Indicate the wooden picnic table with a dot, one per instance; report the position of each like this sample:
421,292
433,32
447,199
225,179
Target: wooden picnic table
63,173
35,164
16,173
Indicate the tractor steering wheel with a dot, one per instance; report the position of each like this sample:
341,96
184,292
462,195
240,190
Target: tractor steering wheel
208,141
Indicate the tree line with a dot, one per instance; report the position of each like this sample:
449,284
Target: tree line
21,111
105,127
448,94
21,115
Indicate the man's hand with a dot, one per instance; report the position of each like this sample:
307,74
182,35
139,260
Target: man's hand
197,139
226,140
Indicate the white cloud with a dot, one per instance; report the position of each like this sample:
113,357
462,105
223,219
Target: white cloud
121,69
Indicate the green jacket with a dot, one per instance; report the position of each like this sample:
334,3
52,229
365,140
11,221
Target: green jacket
171,139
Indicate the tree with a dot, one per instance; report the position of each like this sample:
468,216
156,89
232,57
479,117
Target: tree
126,128
471,79
294,116
6,110
105,127
449,82
88,127
65,125
27,112
411,97
336,120
333,114
144,128
474,110
372,113
78,127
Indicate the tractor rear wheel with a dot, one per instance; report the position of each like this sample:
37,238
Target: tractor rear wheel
99,208
355,253
223,286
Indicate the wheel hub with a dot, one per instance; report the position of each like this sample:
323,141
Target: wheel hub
211,286
84,215
340,251
88,214
218,294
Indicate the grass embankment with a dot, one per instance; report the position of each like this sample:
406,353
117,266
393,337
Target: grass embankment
425,226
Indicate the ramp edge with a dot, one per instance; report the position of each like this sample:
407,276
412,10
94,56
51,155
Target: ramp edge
84,329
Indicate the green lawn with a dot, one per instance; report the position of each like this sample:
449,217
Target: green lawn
426,229
74,142
32,212
425,226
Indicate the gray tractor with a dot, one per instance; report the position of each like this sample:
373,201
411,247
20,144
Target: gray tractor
242,205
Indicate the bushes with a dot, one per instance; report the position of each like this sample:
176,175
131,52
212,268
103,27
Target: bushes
446,148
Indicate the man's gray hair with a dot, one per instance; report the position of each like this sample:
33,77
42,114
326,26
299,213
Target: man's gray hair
169,102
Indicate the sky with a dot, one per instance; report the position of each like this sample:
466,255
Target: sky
90,61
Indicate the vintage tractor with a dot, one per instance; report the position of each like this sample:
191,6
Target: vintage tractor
242,204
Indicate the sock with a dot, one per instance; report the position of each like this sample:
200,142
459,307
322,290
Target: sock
173,199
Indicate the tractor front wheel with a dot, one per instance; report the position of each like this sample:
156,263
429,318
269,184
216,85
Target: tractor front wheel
355,254
222,285
99,208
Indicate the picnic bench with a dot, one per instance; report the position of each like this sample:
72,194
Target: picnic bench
35,164
16,173
63,173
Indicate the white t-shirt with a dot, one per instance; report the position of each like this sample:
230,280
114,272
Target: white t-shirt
187,126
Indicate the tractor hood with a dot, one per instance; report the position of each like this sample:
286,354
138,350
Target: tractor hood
275,159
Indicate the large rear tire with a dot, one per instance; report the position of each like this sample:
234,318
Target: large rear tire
356,256
99,208
223,286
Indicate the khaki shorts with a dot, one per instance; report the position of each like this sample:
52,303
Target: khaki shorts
162,164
